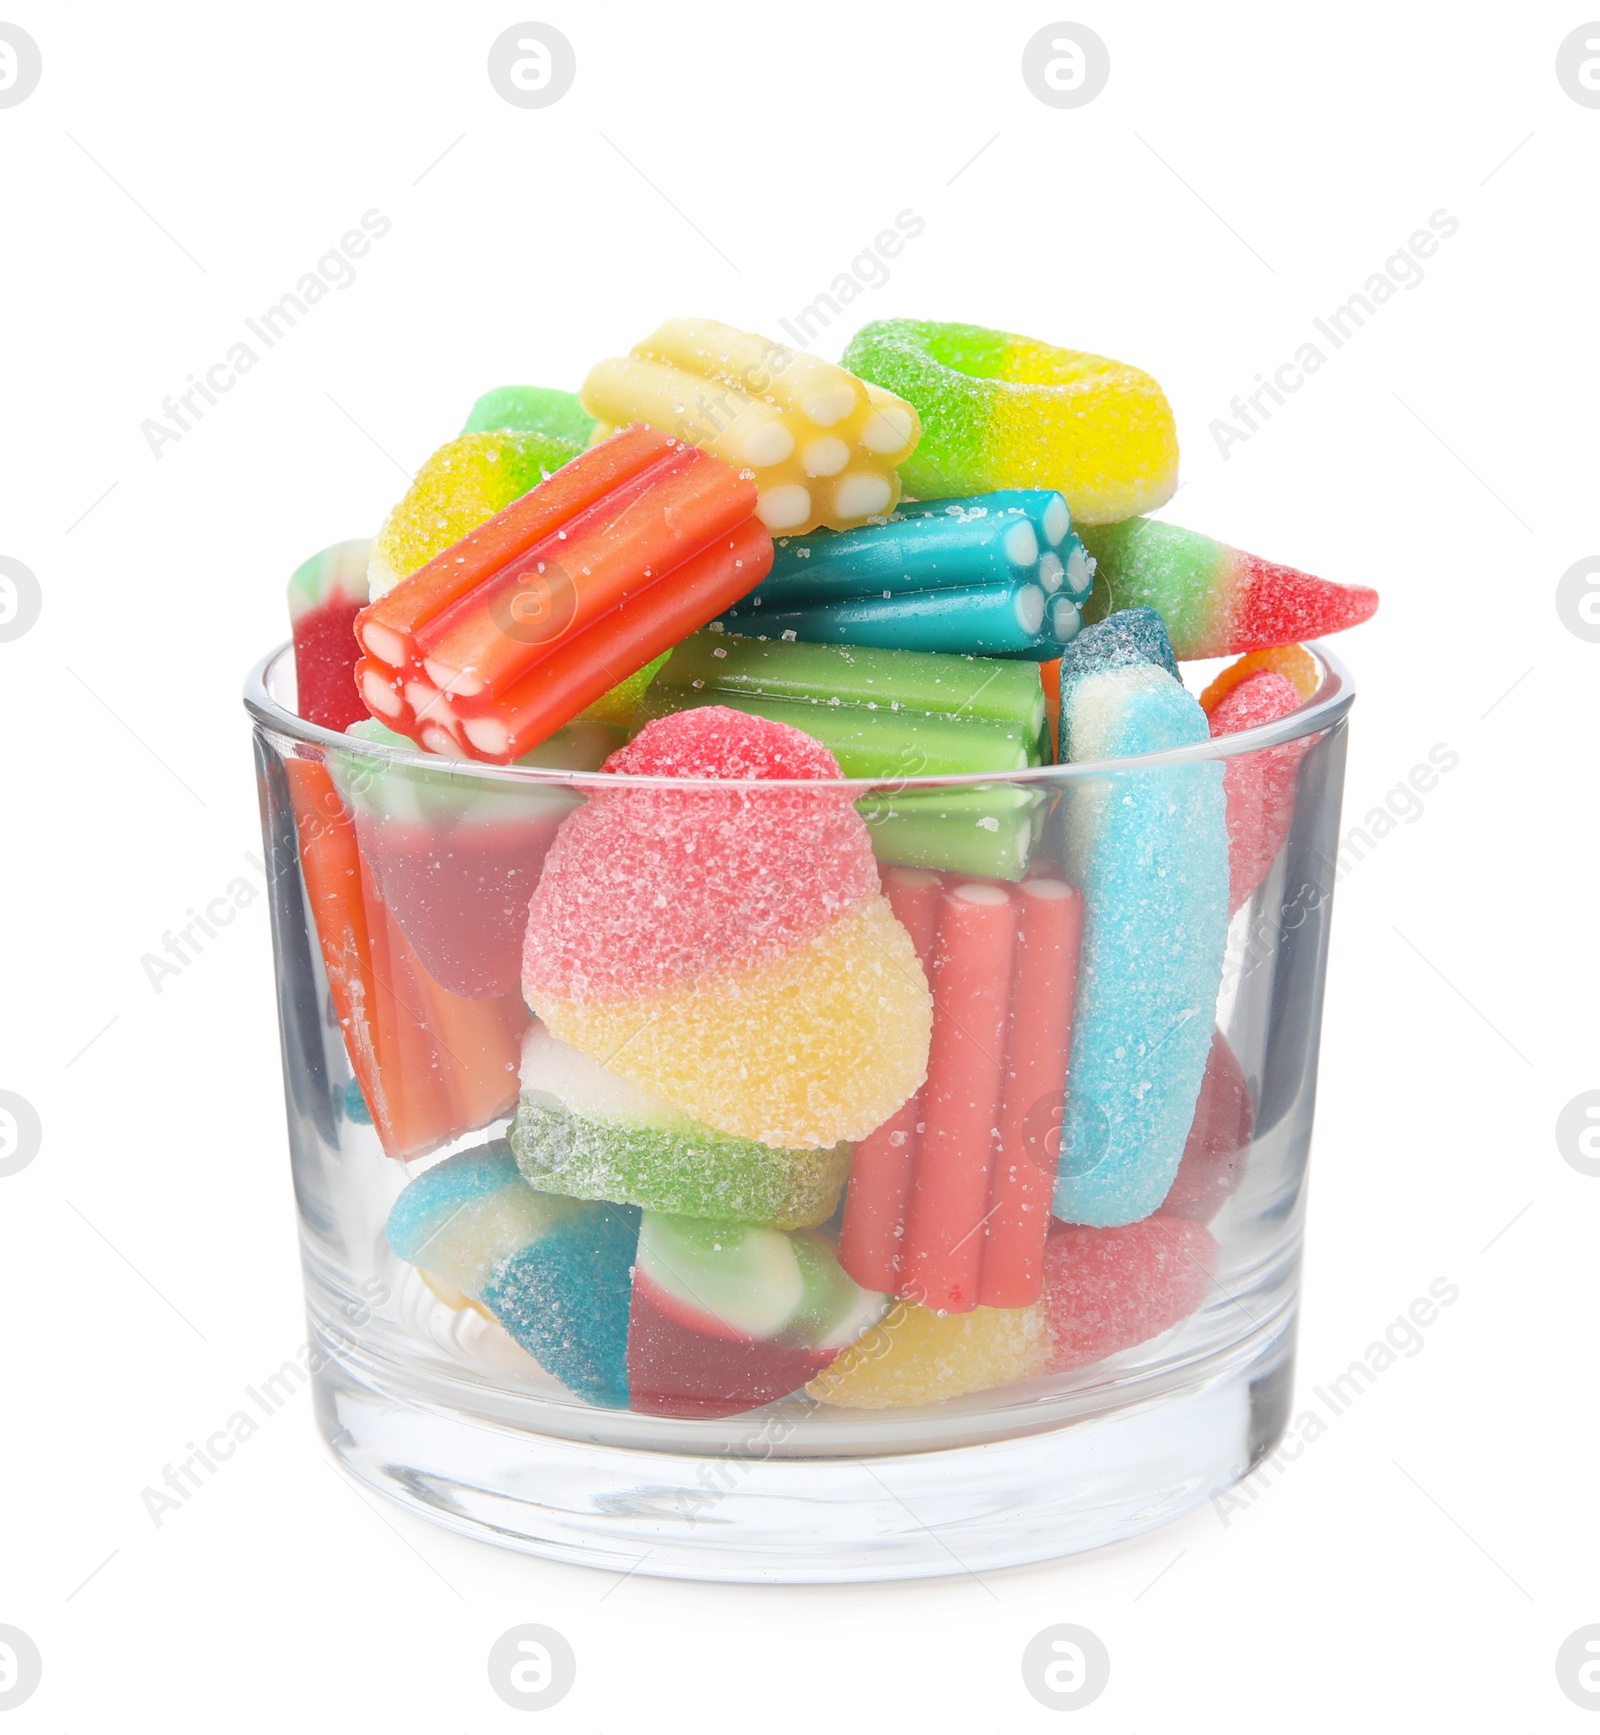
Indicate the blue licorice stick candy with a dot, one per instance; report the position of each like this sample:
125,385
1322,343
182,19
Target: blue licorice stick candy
1017,534
1148,847
556,1272
980,620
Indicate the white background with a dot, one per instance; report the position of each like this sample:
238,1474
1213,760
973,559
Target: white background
1245,170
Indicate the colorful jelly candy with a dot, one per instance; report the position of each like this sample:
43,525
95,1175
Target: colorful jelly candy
821,444
1148,849
1260,784
1215,600
989,574
1105,1291
983,620
726,946
881,713
457,862
465,482
583,1130
513,630
889,715
727,1317
917,1356
1017,536
326,593
555,1272
431,1064
1131,637
532,410
1294,662
1002,411
1219,1136
949,1200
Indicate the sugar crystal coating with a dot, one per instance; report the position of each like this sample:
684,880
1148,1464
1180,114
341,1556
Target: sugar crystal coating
1216,600
1148,849
647,889
1294,662
817,1046
916,1356
462,485
1260,784
1003,411
1214,1157
1106,1290
585,1131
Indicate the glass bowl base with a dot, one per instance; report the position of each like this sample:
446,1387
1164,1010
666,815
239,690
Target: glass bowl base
1033,1496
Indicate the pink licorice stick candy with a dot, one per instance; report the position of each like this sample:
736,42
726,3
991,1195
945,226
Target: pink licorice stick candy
943,1250
881,1168
1024,1177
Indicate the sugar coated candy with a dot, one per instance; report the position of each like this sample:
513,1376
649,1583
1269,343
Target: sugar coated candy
556,1272
1107,1290
727,1317
1216,601
821,444
532,410
465,482
1294,662
326,593
1148,848
1003,411
1260,784
917,1356
881,713
1214,1155
725,945
890,715
512,631
583,1130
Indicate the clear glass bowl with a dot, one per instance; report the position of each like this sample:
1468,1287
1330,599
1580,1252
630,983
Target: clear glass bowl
400,884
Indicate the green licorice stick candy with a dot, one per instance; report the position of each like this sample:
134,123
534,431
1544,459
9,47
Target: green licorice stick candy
880,744
987,831
981,689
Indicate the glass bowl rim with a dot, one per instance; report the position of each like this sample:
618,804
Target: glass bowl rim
1334,696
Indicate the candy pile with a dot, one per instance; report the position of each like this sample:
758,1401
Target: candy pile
732,1056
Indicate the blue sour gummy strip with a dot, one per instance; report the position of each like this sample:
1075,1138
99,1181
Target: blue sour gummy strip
1148,848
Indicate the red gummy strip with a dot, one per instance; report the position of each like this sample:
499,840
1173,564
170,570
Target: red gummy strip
943,1248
